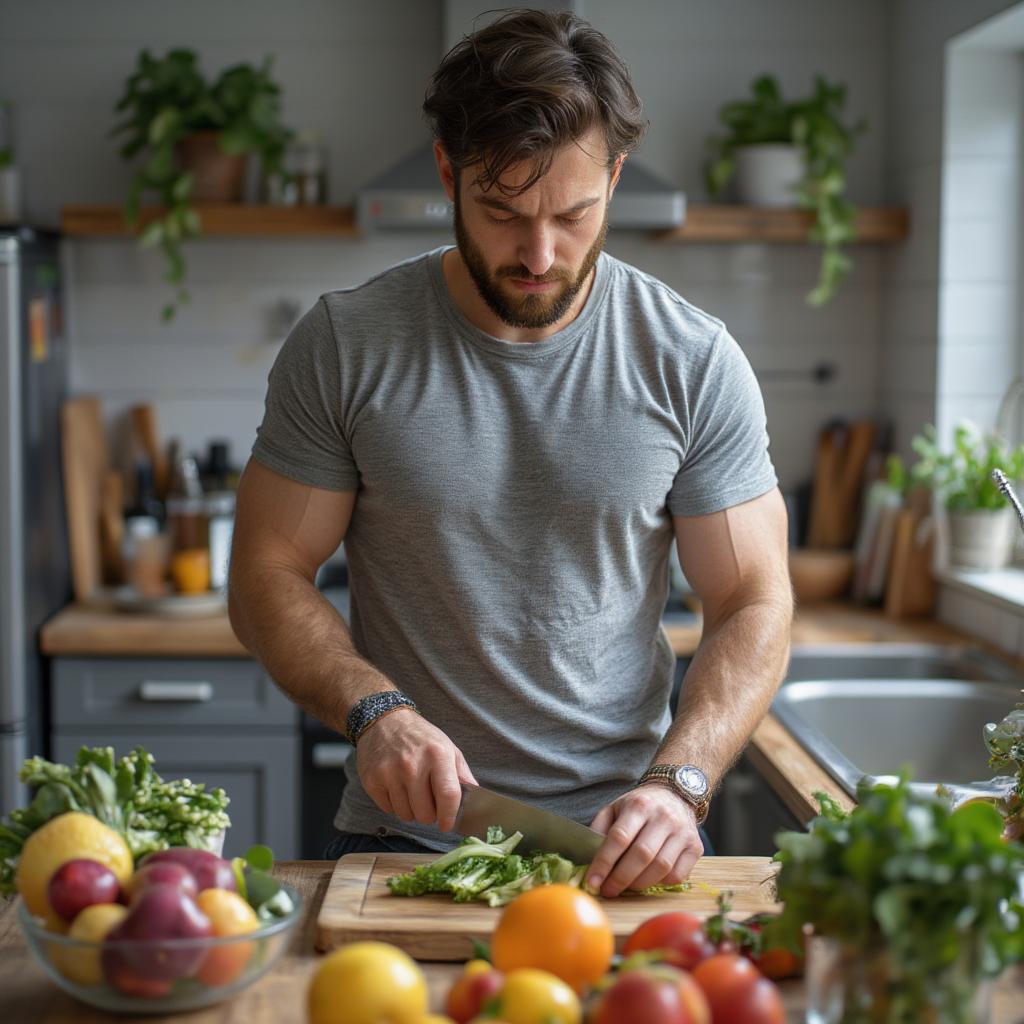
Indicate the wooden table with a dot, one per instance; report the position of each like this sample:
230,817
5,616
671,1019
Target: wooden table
27,996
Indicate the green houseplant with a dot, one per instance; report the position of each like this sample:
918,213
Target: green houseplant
814,127
913,905
169,107
980,518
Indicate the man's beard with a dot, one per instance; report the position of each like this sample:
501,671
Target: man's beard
527,311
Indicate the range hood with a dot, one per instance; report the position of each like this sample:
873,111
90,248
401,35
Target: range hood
410,194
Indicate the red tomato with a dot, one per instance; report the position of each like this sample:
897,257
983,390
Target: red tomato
654,995
737,992
472,990
679,934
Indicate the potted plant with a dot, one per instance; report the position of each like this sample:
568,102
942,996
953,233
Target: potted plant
195,136
914,906
981,522
792,153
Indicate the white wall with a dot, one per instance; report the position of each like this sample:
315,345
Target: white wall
355,72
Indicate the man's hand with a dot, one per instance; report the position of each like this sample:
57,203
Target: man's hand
411,769
651,838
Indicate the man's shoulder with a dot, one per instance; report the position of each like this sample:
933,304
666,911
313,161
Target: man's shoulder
652,302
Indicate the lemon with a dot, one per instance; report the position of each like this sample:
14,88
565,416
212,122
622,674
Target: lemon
367,983
83,965
61,839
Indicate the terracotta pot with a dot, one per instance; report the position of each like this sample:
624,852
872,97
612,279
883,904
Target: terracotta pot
218,176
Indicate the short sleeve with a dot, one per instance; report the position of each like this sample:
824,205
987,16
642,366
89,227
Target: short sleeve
726,461
301,435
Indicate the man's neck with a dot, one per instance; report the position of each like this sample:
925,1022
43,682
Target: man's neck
463,293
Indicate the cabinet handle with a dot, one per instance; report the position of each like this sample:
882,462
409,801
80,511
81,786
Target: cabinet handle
330,755
160,690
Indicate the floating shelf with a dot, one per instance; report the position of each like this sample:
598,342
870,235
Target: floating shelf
736,223
704,222
225,219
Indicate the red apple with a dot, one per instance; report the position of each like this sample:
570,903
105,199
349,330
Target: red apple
80,883
680,935
134,954
163,872
471,992
209,870
655,995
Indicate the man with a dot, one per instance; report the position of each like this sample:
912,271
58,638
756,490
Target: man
509,435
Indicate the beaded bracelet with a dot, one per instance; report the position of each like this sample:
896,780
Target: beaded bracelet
368,709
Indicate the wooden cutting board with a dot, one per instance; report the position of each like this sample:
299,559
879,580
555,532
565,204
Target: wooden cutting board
358,905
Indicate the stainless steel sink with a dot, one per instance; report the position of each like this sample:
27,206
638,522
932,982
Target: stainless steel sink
869,709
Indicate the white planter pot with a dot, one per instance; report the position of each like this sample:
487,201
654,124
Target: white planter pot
768,173
981,539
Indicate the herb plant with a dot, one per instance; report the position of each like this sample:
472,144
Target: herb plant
815,126
127,795
928,896
963,477
1005,743
165,100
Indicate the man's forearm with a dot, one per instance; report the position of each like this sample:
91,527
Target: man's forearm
729,686
302,641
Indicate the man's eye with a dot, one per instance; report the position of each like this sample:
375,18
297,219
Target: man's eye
572,220
502,220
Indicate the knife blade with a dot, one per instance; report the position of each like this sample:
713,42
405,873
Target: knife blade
543,831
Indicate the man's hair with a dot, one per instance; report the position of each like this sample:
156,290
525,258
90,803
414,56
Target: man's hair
525,86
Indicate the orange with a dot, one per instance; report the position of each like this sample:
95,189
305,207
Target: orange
230,915
190,570
556,928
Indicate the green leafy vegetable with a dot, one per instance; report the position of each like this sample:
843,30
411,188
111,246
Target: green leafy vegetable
936,889
488,870
127,795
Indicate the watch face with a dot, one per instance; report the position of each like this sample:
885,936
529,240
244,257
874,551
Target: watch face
693,780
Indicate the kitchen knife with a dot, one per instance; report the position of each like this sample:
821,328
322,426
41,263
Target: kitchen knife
543,832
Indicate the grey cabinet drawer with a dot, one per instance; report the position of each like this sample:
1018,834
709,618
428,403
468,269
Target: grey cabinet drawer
259,774
166,692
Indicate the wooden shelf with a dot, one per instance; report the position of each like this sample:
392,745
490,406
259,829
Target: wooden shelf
736,223
226,219
704,222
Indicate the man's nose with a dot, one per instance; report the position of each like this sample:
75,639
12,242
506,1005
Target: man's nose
537,250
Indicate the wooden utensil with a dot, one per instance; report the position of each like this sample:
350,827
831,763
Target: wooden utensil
912,587
358,905
112,526
843,453
144,423
86,459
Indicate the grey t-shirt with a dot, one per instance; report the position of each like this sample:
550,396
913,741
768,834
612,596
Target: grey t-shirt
509,548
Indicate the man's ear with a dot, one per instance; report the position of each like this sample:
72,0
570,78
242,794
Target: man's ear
445,170
616,171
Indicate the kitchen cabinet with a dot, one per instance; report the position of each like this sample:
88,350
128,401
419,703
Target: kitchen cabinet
216,720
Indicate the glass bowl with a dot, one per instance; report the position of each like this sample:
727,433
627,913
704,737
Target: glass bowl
158,975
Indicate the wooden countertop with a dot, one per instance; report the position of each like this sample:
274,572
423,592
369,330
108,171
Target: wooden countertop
81,631
29,997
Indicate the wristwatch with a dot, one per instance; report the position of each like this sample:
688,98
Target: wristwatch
687,780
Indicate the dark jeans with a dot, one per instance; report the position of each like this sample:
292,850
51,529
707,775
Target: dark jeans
355,842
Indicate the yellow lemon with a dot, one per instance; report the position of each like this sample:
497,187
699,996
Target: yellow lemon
367,983
61,839
91,925
531,996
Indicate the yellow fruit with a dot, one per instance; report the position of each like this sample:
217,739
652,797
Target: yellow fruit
436,1018
190,570
61,839
531,996
477,967
367,983
230,915
83,966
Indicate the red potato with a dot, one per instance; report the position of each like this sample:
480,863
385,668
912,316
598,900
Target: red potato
163,872
81,883
654,995
209,870
160,911
679,934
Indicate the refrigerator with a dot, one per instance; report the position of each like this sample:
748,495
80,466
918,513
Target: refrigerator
34,568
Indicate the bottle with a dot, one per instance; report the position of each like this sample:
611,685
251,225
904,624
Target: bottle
187,519
145,545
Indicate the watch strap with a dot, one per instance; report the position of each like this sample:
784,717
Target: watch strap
368,709
667,773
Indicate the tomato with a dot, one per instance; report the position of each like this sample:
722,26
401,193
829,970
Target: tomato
556,928
530,996
778,963
654,995
679,934
472,990
737,992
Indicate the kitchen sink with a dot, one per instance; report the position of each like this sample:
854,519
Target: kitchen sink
870,709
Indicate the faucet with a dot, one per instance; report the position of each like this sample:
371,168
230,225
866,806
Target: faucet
1004,485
